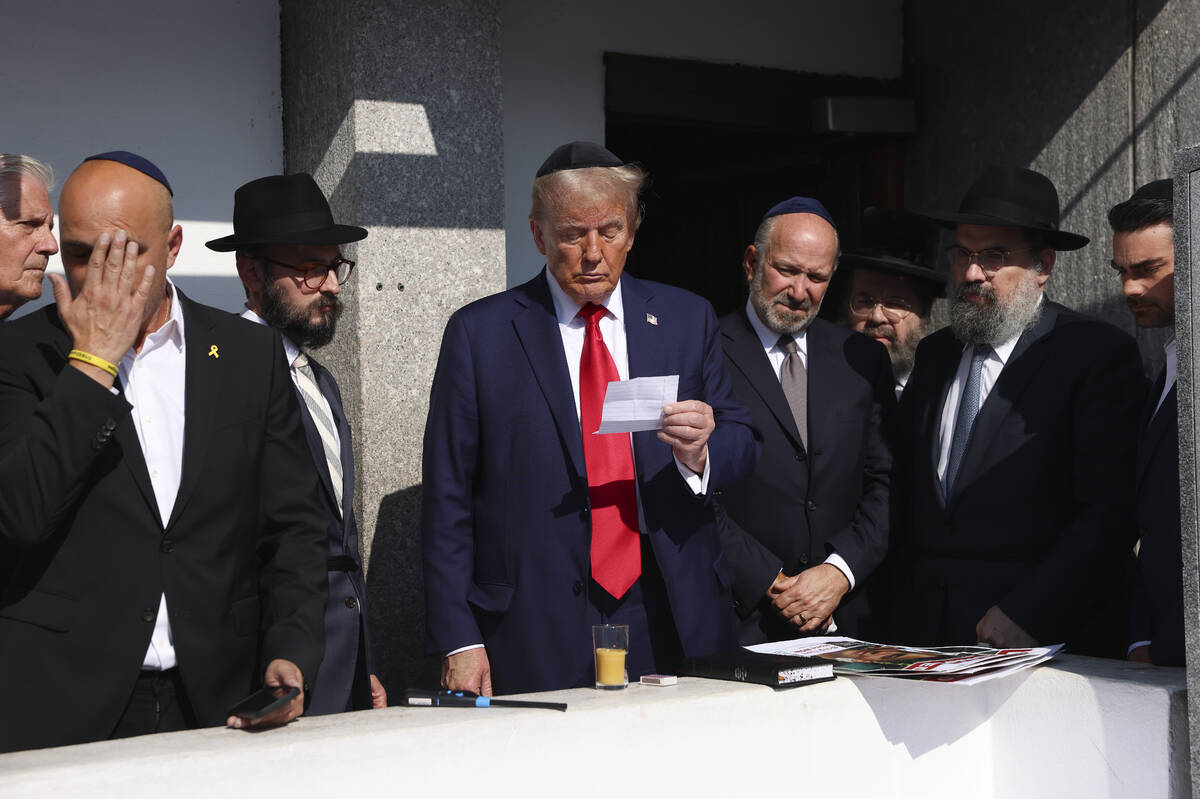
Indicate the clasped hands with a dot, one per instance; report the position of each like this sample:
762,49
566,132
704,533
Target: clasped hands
807,600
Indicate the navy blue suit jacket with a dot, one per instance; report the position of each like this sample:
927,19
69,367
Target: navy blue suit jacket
505,519
1157,612
1039,521
347,642
800,505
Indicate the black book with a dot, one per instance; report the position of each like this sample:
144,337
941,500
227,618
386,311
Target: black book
777,671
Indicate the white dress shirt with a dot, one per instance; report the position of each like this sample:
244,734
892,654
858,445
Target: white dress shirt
153,382
776,354
992,366
292,352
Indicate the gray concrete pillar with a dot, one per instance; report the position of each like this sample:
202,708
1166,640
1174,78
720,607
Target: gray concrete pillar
395,108
1187,383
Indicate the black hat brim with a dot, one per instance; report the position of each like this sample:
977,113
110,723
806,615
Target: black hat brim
1058,239
335,234
898,266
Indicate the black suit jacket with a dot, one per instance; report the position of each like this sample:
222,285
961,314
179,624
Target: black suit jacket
348,661
1157,611
799,506
241,560
1041,516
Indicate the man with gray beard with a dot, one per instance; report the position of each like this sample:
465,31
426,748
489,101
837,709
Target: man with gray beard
1017,439
806,531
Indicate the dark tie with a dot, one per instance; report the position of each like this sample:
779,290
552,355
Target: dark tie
616,550
964,422
794,380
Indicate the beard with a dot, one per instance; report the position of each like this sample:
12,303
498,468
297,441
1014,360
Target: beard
772,316
995,320
903,351
295,322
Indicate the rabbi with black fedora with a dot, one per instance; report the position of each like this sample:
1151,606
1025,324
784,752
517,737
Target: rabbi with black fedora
292,269
1017,435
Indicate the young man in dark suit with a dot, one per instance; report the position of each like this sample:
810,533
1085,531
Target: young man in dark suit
805,531
170,551
1143,247
292,268
535,528
1017,439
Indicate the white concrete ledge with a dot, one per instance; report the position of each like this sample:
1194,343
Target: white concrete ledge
1080,728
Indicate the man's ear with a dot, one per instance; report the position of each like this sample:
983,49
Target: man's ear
174,242
750,262
539,240
250,270
1047,257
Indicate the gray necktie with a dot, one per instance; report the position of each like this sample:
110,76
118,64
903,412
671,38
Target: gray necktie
310,392
794,380
964,422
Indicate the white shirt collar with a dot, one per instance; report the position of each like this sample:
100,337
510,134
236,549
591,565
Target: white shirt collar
172,330
289,347
567,310
769,338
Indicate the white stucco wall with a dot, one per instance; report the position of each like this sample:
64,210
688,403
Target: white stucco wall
553,70
193,86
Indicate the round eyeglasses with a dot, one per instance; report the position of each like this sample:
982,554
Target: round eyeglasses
313,274
991,260
894,308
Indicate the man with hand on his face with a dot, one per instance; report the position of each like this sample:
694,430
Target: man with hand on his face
292,270
535,528
1143,246
809,526
26,229
1017,438
170,552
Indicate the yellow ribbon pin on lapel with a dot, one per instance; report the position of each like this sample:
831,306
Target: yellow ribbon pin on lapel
212,352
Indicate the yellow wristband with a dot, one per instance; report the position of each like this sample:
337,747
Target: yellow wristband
88,358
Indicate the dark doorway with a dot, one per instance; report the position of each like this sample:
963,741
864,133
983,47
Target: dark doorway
722,147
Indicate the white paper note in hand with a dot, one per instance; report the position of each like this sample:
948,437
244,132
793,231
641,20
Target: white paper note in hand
631,406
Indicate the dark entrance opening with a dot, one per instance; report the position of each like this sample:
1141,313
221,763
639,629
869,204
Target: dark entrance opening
723,143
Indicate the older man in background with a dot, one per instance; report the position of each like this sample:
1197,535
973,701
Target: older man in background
26,229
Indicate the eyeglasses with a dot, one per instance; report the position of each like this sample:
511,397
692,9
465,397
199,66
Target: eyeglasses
991,260
894,308
313,274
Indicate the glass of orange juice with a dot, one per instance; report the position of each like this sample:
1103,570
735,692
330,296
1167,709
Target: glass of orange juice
611,642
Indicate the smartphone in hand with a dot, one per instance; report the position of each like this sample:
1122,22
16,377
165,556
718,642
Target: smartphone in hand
263,702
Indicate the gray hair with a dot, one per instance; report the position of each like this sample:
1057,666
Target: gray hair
550,191
14,167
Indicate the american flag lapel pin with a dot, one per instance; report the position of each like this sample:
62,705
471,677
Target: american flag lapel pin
652,319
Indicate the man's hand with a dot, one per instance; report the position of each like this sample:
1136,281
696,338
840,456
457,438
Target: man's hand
468,671
812,597
279,672
107,316
378,695
1141,654
998,630
686,427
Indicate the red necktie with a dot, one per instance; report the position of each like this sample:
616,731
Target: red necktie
616,545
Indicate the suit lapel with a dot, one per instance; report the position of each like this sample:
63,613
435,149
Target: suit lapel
944,362
1022,365
1158,426
313,437
747,356
329,390
822,385
202,389
536,327
125,434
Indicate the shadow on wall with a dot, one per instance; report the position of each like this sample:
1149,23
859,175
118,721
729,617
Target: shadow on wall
395,597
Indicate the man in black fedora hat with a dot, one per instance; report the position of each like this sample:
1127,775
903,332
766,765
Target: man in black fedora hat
1143,257
292,269
167,546
885,289
1017,435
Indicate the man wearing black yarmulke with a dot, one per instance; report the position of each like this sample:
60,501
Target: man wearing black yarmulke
535,527
156,489
1017,434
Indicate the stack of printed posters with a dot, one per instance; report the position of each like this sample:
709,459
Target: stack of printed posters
965,665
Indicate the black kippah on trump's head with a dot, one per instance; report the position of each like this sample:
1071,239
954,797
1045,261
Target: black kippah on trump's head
577,155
